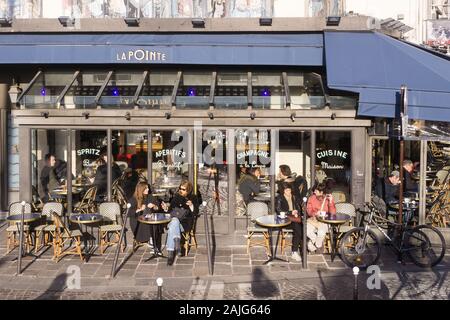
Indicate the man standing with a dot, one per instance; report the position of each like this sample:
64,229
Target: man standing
48,176
409,184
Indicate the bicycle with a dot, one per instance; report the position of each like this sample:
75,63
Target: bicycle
361,246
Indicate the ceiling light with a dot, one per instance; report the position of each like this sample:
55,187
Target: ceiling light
265,21
333,21
132,22
198,23
5,22
67,21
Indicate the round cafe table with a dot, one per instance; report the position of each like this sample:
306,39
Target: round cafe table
155,218
27,218
334,222
264,197
272,222
86,219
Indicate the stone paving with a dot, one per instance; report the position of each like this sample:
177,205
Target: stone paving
237,275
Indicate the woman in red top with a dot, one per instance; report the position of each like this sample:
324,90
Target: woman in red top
316,230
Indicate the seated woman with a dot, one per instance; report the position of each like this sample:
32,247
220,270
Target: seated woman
141,202
288,203
183,201
316,230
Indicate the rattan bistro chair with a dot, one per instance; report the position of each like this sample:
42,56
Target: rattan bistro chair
12,232
87,203
64,235
45,229
189,237
255,210
110,212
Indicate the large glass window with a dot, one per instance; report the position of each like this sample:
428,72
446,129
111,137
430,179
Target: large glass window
212,171
333,162
294,151
170,155
253,161
49,165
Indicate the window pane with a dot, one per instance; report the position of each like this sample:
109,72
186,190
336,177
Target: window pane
306,91
49,165
120,90
268,91
193,91
83,91
333,162
46,89
157,90
231,90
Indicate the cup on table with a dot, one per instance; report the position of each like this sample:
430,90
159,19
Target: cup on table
322,214
282,214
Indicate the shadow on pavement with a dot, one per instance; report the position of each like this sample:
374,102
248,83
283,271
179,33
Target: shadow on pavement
57,286
263,287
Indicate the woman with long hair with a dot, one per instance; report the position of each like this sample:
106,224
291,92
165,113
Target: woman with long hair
141,202
184,202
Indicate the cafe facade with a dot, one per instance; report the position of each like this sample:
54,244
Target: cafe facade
177,102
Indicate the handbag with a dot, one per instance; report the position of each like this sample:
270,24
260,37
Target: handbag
179,213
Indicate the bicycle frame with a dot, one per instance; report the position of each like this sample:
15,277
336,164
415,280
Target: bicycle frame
370,222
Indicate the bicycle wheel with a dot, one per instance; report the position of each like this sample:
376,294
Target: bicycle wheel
360,252
425,245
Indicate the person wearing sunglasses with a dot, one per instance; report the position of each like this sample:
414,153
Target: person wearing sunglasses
183,201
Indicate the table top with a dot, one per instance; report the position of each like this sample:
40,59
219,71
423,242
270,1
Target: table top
28,217
59,191
411,206
169,185
85,218
263,197
338,218
273,221
154,218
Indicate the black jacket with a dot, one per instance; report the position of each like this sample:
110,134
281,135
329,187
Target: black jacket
180,202
141,232
101,177
386,190
281,204
409,184
248,186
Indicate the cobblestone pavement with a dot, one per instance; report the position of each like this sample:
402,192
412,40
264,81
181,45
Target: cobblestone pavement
237,275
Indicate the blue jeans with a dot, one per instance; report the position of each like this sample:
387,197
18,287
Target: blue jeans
174,231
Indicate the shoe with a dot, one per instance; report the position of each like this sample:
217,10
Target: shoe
296,256
170,258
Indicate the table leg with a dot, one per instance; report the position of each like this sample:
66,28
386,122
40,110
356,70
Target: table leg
156,252
332,242
272,250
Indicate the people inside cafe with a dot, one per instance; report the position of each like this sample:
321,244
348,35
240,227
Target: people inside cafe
249,185
409,185
318,202
299,183
142,202
48,178
184,208
387,188
291,205
101,175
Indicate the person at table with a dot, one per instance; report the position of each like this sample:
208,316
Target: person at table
299,183
249,185
284,175
143,202
130,181
49,180
289,203
101,176
315,230
409,185
186,202
388,188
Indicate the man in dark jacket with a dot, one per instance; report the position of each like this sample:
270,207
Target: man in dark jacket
409,184
388,189
101,176
249,185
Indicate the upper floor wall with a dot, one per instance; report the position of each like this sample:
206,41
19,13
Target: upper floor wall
26,9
